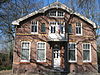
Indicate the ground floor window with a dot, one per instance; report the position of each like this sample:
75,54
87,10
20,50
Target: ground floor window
72,52
41,51
25,51
86,52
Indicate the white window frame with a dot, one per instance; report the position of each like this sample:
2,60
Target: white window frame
81,29
29,51
45,52
56,27
73,61
57,13
53,26
60,11
37,27
89,50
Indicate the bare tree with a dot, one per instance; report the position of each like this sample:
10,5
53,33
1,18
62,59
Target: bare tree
10,11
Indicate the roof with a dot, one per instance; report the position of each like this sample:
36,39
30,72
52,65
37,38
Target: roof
53,5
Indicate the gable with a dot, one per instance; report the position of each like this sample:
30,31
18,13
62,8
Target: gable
55,5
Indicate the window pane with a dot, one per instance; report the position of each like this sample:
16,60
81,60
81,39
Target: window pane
41,54
61,29
86,55
43,29
72,55
60,13
53,13
34,26
24,54
72,46
25,51
72,52
86,46
70,28
52,29
41,51
78,28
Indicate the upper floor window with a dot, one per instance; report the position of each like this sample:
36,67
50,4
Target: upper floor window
41,51
57,27
25,51
69,28
52,13
52,27
60,13
78,28
34,28
86,52
56,13
72,52
43,28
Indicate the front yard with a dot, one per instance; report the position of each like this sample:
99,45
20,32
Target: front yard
9,72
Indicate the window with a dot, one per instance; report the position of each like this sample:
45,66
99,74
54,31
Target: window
60,13
34,28
69,28
78,28
43,28
25,51
58,27
86,52
56,13
72,52
52,13
61,27
52,27
41,51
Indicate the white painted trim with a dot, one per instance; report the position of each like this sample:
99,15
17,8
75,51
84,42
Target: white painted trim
56,27
37,28
90,53
37,52
81,30
44,9
29,51
75,53
56,16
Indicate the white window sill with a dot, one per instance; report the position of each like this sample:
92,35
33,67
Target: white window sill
34,32
78,34
86,61
24,61
41,61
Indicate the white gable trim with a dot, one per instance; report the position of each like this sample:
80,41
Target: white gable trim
53,5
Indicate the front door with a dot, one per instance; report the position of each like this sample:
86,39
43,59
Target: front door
56,57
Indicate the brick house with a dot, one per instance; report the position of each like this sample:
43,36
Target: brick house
55,38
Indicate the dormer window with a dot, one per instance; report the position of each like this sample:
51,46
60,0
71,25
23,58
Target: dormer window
56,13
52,13
60,13
34,27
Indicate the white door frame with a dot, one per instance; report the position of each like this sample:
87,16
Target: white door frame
57,62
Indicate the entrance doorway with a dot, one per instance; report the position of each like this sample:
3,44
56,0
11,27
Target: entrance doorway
56,56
